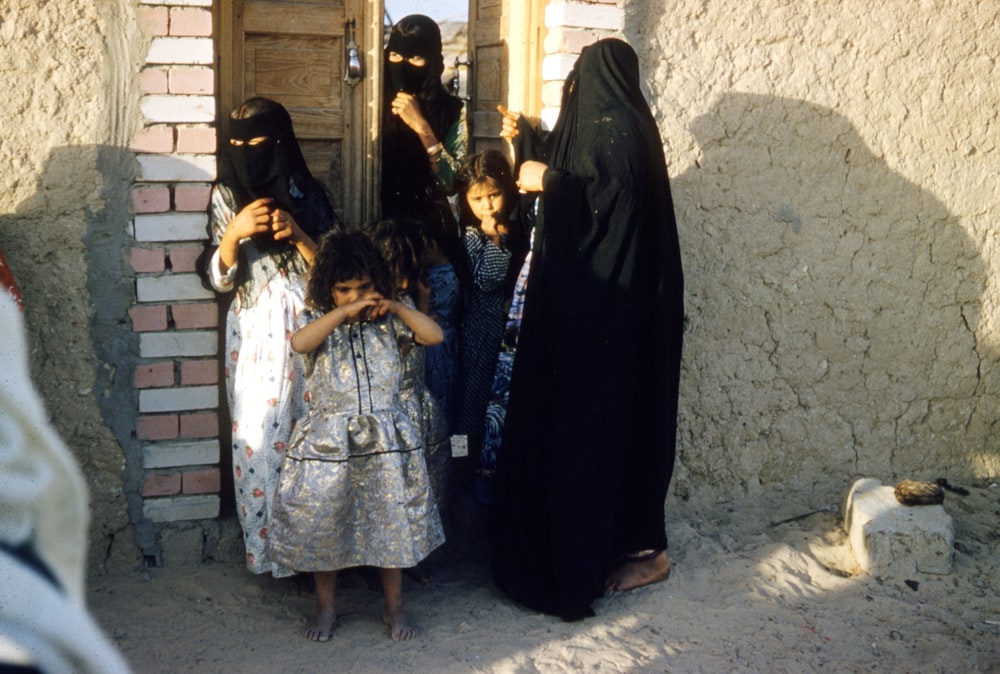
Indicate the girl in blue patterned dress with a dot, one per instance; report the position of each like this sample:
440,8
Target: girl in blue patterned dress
488,198
354,489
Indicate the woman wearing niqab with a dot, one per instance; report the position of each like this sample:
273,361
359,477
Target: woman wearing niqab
589,438
424,136
266,213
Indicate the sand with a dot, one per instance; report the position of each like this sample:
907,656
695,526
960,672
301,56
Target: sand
745,595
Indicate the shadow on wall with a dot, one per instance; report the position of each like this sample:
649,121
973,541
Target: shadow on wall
833,310
71,234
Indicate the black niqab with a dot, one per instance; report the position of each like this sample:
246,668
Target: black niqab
409,185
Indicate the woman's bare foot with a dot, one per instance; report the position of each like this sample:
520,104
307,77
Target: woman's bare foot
636,572
400,627
321,626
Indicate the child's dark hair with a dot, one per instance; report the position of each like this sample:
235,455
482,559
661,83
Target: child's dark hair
487,165
345,256
402,243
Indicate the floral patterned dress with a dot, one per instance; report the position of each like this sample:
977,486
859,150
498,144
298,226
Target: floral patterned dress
264,380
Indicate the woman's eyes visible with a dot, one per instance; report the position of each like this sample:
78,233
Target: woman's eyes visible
418,61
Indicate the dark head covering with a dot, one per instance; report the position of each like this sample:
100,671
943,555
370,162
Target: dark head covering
589,438
264,170
409,186
275,169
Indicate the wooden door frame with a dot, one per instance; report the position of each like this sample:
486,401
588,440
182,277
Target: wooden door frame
360,120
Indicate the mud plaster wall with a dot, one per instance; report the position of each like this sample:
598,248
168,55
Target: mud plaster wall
67,112
835,175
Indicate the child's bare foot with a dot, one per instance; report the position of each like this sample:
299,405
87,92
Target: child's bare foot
321,626
638,570
400,627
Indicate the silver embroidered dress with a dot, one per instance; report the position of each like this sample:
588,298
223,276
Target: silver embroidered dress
354,488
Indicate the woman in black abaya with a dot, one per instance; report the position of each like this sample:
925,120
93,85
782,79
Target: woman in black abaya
589,439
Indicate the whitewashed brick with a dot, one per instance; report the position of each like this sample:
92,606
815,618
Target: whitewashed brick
170,288
171,227
176,168
177,344
178,398
175,454
177,508
180,50
557,66
177,108
576,15
549,117
179,3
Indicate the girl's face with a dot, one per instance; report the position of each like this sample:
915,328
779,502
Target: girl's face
485,198
351,290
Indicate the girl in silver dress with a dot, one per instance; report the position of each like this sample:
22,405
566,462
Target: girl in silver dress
354,489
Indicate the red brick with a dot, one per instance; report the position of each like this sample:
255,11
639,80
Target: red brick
147,260
148,318
154,375
191,316
150,199
157,139
162,485
183,258
205,481
199,425
152,20
156,427
192,197
190,22
199,373
153,81
197,81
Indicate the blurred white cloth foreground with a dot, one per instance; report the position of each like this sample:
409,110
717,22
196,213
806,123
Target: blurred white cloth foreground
43,527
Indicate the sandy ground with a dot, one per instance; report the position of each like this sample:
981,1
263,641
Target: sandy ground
745,595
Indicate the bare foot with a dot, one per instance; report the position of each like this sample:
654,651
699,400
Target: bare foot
321,626
400,627
632,573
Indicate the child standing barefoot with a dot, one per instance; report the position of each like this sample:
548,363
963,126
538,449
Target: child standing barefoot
488,198
354,489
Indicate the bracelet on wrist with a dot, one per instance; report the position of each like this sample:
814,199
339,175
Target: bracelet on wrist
434,149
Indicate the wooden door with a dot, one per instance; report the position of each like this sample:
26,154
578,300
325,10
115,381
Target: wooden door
506,50
294,52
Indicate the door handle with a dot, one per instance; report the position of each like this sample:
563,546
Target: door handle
352,57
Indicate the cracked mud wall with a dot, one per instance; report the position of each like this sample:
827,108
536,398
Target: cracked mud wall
68,113
835,174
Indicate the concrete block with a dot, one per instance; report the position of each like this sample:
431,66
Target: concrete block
580,15
171,288
891,540
178,398
191,343
177,508
173,454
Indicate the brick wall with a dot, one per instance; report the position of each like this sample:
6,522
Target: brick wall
571,26
177,420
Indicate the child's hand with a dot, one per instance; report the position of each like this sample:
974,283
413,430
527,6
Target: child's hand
363,308
492,228
508,123
254,218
